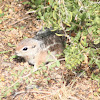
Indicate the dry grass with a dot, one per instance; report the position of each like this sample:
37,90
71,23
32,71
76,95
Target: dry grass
18,80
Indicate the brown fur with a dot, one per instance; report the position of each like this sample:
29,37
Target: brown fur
38,47
41,57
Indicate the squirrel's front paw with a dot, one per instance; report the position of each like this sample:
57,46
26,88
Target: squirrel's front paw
35,68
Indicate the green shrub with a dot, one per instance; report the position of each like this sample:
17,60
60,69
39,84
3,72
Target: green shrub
80,16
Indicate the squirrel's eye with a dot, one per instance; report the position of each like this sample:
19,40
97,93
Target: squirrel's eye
25,48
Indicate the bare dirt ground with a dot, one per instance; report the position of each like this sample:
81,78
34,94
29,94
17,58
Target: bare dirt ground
17,79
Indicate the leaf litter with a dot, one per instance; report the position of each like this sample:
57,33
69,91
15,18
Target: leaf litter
18,80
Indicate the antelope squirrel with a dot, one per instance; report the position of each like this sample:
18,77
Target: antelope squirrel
35,50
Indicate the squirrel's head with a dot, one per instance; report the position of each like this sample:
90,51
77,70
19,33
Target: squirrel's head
28,47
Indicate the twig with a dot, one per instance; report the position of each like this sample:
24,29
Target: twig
72,98
34,11
1,6
19,20
17,93
43,92
30,12
44,96
62,59
95,2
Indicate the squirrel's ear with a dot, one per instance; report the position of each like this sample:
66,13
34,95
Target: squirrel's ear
34,46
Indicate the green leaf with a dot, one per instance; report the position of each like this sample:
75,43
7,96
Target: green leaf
9,44
44,67
22,27
27,2
37,72
39,13
37,2
51,2
68,24
2,52
98,63
96,41
0,21
58,63
14,56
27,81
42,17
25,37
97,20
32,1
54,15
55,7
53,65
1,14
59,34
71,16
84,43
